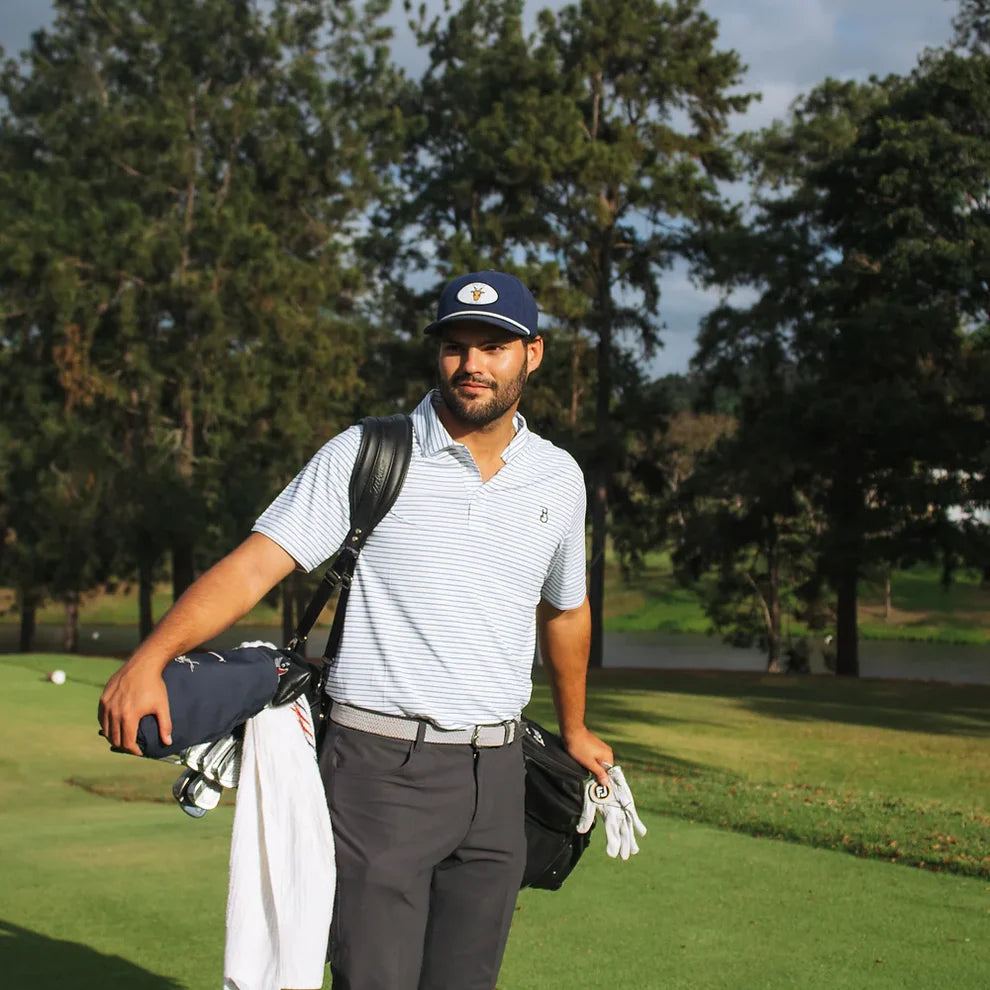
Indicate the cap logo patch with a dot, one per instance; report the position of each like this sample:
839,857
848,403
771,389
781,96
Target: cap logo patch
477,294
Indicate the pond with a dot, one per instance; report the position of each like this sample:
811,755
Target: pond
897,659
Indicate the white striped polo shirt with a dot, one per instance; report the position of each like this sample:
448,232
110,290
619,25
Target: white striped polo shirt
441,617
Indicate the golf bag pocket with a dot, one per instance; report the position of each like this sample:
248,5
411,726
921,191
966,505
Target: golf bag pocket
554,800
212,692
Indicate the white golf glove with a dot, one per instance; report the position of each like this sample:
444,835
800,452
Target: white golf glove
618,810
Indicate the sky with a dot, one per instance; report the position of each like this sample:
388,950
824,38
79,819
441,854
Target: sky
789,46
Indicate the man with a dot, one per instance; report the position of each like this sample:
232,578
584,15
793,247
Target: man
422,760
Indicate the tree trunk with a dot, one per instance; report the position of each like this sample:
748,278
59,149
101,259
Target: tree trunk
598,497
846,645
146,587
576,350
886,594
601,470
70,640
183,546
596,582
846,524
773,609
183,570
769,603
28,611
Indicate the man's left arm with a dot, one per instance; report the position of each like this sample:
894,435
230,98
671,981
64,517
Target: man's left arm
565,641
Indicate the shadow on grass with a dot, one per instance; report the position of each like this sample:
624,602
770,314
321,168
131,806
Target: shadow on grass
632,753
29,961
907,706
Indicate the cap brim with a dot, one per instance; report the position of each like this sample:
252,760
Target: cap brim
489,318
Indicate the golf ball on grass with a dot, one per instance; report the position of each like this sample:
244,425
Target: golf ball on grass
56,676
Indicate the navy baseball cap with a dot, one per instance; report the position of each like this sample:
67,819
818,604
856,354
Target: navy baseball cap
488,297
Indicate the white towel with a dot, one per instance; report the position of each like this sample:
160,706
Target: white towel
282,871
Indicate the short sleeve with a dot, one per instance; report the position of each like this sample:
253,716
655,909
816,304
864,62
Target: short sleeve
565,586
310,517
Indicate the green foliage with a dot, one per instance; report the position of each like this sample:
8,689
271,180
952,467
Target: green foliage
850,365
185,186
972,26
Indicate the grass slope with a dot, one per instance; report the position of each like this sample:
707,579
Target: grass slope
890,770
922,607
107,884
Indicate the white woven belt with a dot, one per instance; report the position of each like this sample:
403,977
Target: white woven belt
394,727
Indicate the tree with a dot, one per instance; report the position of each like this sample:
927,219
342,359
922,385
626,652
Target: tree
576,158
748,531
221,157
972,26
869,260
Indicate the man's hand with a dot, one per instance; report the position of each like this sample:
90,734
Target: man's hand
214,601
131,693
590,751
614,802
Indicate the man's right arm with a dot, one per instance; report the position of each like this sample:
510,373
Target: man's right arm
217,599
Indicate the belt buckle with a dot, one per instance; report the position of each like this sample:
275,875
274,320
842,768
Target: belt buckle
475,735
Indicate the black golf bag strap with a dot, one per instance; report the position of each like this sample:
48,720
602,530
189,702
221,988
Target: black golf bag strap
379,471
376,480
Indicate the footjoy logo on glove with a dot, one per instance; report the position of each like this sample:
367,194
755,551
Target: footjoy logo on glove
601,792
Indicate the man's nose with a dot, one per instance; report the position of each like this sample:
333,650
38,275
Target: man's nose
471,361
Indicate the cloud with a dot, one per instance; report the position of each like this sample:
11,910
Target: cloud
790,46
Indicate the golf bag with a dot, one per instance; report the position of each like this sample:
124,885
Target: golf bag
554,800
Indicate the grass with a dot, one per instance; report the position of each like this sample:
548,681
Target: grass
925,609
898,771
120,608
107,884
922,607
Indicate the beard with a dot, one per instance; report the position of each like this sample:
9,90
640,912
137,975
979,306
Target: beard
487,407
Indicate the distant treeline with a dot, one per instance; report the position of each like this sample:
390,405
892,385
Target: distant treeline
223,225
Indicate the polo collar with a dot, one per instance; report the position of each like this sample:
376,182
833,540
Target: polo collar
434,438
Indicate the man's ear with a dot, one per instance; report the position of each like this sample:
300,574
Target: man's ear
534,354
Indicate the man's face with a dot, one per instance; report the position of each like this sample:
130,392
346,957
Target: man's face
482,370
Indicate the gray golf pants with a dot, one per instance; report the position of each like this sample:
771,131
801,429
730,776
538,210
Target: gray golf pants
430,852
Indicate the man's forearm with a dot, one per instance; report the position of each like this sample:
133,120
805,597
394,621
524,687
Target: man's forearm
217,599
565,639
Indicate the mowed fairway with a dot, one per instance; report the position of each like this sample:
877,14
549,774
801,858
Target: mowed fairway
104,883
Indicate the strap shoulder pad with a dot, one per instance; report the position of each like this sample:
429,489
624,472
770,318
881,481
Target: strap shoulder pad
379,471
